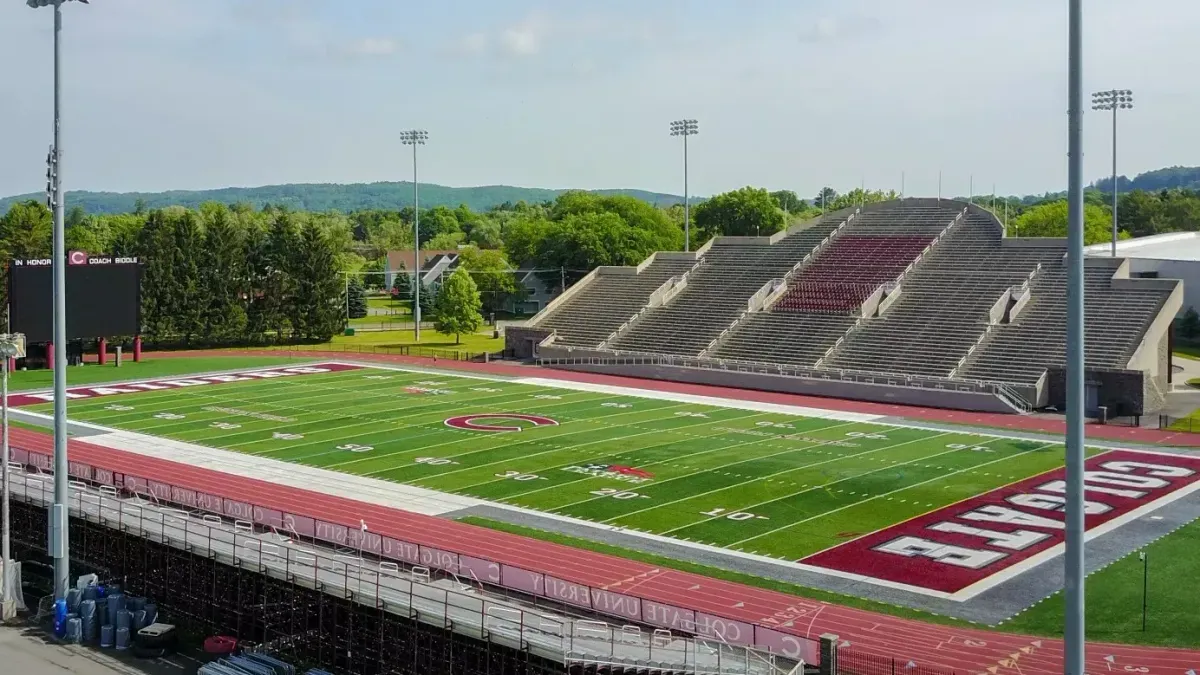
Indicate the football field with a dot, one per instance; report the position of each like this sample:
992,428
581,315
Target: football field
773,484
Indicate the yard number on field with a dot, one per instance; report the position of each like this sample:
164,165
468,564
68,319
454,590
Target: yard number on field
434,461
616,405
736,515
972,448
170,416
228,426
872,437
618,494
517,475
355,447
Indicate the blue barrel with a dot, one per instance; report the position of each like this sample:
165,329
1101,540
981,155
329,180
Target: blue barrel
106,635
122,638
151,613
60,618
87,615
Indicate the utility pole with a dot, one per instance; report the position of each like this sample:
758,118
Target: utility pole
1073,559
11,346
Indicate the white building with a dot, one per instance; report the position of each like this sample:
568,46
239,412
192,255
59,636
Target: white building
1174,255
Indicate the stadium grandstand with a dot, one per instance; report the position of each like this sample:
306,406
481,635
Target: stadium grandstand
920,301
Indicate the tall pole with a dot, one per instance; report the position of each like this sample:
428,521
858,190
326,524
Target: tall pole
416,249
1114,100
939,186
1073,634
686,128
58,514
7,604
902,185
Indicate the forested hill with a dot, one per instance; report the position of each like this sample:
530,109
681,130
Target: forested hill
1172,177
325,197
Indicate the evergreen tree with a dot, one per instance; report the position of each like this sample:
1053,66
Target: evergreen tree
1189,325
428,302
189,301
458,306
223,279
356,300
155,249
316,303
402,285
276,295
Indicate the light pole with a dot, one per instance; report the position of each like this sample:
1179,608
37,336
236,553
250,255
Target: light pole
1114,100
415,137
11,345
58,511
1073,559
685,128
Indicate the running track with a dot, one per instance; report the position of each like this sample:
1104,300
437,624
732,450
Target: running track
963,650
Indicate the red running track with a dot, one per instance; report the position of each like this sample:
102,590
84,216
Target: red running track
963,650
1039,424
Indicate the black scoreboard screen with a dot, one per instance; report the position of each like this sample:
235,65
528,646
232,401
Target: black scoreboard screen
104,297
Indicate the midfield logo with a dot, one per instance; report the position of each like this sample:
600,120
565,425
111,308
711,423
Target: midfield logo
480,422
621,472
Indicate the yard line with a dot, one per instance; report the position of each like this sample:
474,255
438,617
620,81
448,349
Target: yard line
566,431
538,454
697,454
772,475
888,494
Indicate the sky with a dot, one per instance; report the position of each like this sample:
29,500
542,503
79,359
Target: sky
789,94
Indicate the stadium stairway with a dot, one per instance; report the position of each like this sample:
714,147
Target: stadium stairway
823,302
609,300
1116,319
944,303
718,292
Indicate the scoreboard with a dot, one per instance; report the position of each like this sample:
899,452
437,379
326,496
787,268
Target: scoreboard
104,297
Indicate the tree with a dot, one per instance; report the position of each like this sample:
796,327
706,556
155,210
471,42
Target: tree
402,284
1050,220
747,212
789,201
486,234
25,230
445,241
315,306
356,300
1189,325
373,273
223,279
427,306
492,275
458,306
156,251
189,301
824,198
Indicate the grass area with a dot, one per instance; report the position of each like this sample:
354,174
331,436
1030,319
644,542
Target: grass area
92,373
716,572
1114,598
1186,351
476,342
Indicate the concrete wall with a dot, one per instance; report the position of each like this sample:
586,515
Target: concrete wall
1187,271
880,392
1146,355
1123,392
520,340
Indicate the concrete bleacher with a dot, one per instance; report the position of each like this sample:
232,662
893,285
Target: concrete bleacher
609,300
1115,320
943,307
850,269
717,294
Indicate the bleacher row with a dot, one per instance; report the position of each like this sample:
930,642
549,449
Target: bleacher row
939,323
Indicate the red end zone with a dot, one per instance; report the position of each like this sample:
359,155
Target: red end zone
953,548
180,382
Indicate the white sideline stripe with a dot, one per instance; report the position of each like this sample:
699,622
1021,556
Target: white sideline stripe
756,406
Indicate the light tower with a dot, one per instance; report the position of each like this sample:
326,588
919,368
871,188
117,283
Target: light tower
1114,100
415,137
685,128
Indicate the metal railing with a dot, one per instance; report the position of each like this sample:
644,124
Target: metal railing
413,592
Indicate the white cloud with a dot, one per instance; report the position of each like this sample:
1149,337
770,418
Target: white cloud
526,37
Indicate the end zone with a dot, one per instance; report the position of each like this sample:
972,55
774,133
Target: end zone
959,551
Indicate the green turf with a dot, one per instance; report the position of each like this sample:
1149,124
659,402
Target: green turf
93,373
765,483
1114,598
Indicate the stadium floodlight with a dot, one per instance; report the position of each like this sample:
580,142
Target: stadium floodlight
685,128
1073,557
58,511
11,346
415,137
1114,100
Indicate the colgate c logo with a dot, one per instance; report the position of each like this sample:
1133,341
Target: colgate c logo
77,257
471,421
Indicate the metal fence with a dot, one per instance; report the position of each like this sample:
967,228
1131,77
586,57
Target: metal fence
387,350
853,662
413,592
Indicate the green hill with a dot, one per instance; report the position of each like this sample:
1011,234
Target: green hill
326,196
